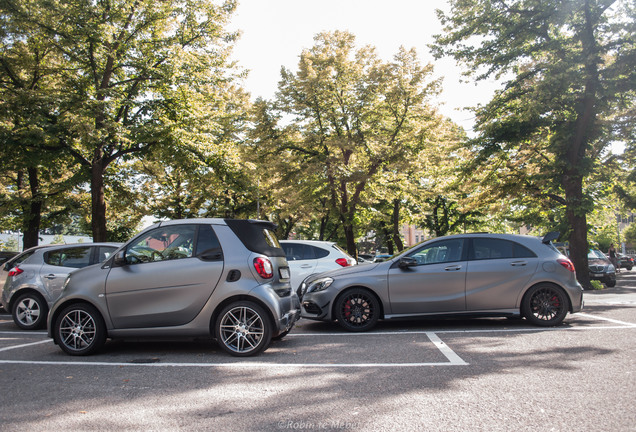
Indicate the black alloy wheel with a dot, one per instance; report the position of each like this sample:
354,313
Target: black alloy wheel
545,305
357,310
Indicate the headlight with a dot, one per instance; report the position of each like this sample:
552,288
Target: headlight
320,284
611,269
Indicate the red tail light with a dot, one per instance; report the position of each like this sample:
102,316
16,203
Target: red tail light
264,267
15,271
567,264
343,262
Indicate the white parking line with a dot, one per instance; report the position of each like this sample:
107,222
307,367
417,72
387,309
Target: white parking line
608,319
453,358
25,345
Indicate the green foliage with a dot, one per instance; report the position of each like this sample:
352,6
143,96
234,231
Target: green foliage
357,121
630,235
126,76
569,93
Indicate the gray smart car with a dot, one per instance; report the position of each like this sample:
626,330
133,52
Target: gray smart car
223,278
33,280
469,274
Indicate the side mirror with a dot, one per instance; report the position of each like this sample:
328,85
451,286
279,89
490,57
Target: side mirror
120,259
406,262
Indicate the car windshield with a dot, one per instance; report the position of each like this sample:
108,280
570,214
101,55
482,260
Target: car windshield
595,254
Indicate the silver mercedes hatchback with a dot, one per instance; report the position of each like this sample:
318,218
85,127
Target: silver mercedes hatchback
223,278
459,275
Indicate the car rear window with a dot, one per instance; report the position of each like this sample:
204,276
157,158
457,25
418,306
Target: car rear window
257,236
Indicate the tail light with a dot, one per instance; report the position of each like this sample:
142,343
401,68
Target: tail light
264,267
344,262
566,263
15,271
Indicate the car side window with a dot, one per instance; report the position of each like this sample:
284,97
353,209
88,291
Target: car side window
294,251
318,252
207,241
439,252
161,244
71,257
485,248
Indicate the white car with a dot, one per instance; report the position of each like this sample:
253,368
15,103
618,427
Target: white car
307,257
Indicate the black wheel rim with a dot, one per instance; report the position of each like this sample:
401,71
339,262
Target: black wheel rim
546,304
357,310
77,330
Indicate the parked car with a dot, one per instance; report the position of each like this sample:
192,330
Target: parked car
306,257
601,268
459,275
223,278
625,261
33,280
381,257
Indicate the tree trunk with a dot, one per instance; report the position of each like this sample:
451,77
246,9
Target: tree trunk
98,203
578,236
32,211
351,238
396,226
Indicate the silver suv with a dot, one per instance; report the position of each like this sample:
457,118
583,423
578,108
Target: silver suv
33,280
223,278
460,275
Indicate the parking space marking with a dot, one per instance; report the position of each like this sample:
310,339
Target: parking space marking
453,358
608,319
25,345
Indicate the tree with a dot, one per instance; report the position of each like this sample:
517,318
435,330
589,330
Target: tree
34,181
570,82
354,116
136,74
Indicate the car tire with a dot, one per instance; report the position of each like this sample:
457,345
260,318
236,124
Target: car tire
29,311
357,310
610,284
79,330
545,305
243,329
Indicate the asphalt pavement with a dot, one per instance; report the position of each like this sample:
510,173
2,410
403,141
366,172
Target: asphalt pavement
428,375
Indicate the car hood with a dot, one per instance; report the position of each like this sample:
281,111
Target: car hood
598,261
356,269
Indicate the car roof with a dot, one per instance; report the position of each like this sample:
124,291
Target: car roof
314,242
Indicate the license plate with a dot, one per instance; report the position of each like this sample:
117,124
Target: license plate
284,272
598,275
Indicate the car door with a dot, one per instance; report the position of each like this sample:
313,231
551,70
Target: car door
302,261
498,270
169,274
58,263
437,282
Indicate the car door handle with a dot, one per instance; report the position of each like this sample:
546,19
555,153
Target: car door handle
518,263
50,276
306,266
453,268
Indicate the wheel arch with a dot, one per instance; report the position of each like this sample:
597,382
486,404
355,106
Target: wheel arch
27,290
556,285
62,306
232,299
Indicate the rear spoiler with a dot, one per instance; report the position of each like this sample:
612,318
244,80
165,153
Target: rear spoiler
551,236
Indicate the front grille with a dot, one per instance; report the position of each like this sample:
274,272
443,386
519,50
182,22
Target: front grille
597,268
